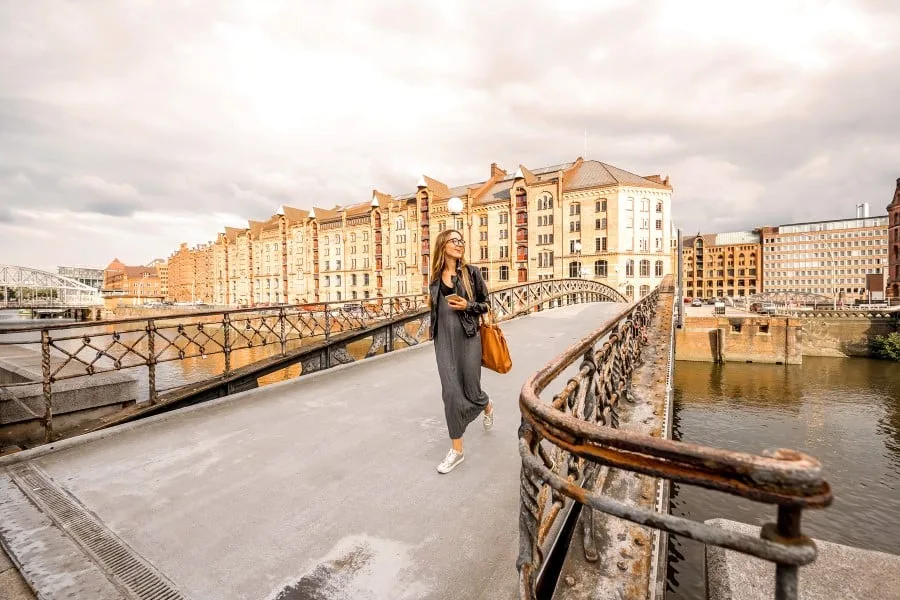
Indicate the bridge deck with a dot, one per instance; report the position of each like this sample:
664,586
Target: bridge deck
322,487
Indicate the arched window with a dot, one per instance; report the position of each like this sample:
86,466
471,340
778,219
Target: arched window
600,268
574,269
629,291
545,201
658,268
504,273
629,268
645,289
400,224
645,268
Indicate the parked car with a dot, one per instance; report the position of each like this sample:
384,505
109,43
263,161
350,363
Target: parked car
697,302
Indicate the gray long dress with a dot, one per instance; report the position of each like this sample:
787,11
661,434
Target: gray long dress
459,365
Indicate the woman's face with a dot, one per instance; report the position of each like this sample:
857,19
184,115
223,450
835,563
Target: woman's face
454,246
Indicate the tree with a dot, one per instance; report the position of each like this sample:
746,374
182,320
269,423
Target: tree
887,346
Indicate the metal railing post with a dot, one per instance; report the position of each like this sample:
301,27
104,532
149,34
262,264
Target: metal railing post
226,342
151,361
45,380
283,332
327,323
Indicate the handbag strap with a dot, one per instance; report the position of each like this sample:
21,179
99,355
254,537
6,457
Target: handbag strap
488,318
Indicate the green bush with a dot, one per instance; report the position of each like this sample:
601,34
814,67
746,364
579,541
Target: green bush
887,346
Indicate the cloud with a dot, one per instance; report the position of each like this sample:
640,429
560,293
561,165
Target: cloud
205,112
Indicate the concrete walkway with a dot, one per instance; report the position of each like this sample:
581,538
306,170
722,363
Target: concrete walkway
323,487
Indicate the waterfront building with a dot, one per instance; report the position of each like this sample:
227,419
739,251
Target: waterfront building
583,219
830,258
162,270
189,274
721,264
130,285
85,275
893,284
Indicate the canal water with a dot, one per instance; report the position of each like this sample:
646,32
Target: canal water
843,411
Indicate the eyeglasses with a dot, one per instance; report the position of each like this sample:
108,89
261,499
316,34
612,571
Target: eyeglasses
457,241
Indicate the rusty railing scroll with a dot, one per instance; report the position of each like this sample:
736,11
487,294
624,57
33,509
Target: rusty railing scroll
565,442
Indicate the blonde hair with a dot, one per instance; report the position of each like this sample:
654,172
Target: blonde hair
439,261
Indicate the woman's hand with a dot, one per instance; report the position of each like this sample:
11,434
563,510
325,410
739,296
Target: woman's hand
458,303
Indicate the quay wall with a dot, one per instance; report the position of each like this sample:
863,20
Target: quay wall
781,339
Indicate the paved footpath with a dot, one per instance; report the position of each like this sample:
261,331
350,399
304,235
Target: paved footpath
322,487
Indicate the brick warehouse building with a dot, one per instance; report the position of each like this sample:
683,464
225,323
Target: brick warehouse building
578,219
893,283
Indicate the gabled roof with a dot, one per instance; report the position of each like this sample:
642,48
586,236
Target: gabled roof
592,173
232,233
440,190
255,227
323,214
896,200
294,215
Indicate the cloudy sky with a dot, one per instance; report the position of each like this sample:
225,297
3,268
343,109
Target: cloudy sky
127,126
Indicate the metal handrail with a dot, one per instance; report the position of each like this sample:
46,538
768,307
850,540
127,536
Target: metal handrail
580,425
75,350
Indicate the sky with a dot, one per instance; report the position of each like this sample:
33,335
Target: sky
129,126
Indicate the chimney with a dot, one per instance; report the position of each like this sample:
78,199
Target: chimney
865,210
496,171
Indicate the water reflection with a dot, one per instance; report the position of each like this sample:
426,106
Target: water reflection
845,412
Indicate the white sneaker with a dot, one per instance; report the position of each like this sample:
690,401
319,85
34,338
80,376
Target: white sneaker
489,418
450,461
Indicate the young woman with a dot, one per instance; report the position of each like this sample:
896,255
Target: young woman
458,296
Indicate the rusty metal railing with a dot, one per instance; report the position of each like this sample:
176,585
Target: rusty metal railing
76,350
563,444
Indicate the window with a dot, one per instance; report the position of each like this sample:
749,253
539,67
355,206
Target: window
658,268
504,273
504,234
504,251
601,205
353,279
600,244
645,268
484,252
482,220
574,209
504,218
629,270
659,207
573,244
629,291
574,226
600,268
366,282
645,289
485,273
352,237
659,224
400,224
545,259
545,201
645,205
574,269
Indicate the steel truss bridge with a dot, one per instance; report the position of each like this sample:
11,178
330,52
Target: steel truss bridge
22,287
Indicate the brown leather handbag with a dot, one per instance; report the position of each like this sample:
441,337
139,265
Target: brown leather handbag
494,351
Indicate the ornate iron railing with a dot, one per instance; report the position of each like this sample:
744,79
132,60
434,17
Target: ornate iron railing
76,350
563,444
71,351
